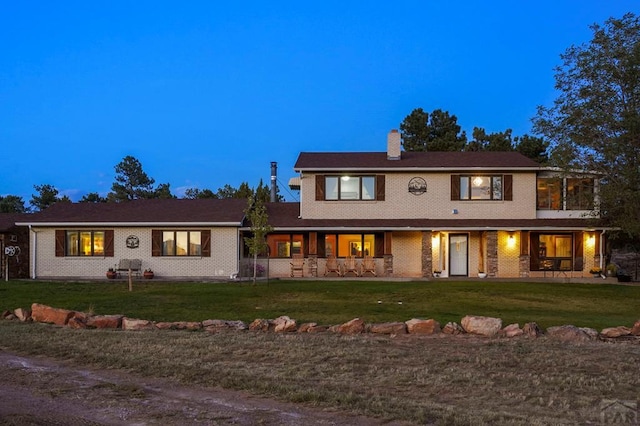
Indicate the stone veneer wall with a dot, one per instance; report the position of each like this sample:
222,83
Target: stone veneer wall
427,258
492,253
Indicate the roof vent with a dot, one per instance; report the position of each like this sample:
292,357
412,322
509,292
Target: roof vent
393,145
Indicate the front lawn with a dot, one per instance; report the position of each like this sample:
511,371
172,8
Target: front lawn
333,302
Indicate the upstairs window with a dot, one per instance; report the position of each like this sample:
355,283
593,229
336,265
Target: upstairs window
350,188
549,193
480,188
580,194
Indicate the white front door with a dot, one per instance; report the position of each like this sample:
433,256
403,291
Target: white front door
458,255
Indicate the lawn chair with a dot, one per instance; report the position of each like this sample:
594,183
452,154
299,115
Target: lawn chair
369,266
351,266
332,266
297,265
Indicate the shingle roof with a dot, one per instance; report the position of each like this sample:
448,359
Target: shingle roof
413,160
157,211
8,220
285,216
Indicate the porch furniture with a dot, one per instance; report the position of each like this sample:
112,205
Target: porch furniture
297,265
129,265
351,266
369,266
332,266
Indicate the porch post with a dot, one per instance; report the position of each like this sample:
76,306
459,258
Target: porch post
427,255
525,257
388,254
492,253
313,254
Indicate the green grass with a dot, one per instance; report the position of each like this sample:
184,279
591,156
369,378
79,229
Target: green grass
334,302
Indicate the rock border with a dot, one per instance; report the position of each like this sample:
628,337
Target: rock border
469,325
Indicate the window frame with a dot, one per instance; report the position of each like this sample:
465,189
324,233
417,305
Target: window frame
341,194
177,237
64,247
157,242
492,185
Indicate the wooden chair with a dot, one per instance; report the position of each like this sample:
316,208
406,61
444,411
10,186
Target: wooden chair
351,266
332,266
369,266
297,265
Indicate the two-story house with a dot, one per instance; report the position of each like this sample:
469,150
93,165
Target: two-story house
405,214
456,213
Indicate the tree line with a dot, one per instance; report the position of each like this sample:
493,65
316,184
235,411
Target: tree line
131,183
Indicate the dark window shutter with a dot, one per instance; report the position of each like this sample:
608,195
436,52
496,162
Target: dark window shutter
108,243
319,187
524,243
206,242
455,187
380,187
507,191
578,256
156,242
321,248
379,245
61,238
534,252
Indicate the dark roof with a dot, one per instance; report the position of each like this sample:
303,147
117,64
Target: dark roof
157,211
416,160
8,220
285,216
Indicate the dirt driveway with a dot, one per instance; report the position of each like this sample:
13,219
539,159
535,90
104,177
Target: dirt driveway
37,391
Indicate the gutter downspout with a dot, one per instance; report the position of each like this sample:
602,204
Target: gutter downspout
34,250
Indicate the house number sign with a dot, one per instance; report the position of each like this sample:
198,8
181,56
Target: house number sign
133,242
417,186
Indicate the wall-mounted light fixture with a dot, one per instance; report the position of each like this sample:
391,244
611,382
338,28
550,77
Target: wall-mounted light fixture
511,241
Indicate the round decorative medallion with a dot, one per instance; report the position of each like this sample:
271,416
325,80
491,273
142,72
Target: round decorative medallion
417,186
133,241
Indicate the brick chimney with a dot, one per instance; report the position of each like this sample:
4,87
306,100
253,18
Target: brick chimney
393,145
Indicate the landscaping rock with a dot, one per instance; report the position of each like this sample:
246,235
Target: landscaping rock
388,328
420,326
214,326
47,314
355,326
568,333
483,326
284,324
636,329
6,313
591,332
259,325
453,328
616,331
163,325
132,324
512,330
105,321
187,325
23,315
312,327
77,323
531,329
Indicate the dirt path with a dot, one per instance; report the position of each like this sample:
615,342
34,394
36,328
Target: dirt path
37,391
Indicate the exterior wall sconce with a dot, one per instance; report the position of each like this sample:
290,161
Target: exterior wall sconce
511,241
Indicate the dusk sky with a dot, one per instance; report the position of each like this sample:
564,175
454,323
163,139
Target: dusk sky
208,93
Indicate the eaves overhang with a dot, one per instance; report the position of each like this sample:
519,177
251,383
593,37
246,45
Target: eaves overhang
130,224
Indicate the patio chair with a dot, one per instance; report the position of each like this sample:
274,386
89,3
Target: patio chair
351,266
297,265
136,266
123,266
332,266
369,266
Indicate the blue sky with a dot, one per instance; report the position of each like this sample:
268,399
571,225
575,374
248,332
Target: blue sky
208,93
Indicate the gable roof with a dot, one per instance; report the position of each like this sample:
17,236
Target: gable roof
343,161
185,212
